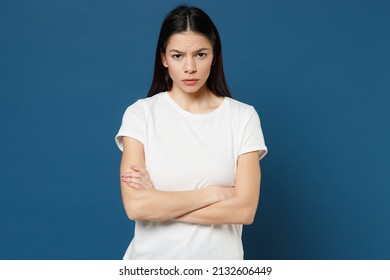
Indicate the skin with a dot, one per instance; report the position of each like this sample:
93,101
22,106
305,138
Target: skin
189,56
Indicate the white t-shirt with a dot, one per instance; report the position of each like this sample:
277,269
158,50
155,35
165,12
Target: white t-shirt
185,151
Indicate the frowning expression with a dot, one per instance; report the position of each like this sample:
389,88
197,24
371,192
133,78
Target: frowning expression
188,57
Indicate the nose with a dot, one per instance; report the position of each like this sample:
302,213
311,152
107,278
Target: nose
190,66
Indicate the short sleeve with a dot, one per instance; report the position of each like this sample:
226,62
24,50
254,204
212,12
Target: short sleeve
133,124
253,139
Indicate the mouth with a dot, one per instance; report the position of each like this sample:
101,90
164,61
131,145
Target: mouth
190,82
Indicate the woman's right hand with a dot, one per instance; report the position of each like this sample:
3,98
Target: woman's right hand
137,178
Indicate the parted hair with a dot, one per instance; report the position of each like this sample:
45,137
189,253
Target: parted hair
181,19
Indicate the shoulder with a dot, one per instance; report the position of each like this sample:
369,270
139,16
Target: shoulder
240,109
239,105
145,105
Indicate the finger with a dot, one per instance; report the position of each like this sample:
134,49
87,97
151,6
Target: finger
135,167
135,185
139,169
144,176
130,178
130,174
133,179
135,176
125,178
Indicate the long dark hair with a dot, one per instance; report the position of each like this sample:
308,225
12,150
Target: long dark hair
181,19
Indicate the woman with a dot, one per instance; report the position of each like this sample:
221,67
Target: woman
190,174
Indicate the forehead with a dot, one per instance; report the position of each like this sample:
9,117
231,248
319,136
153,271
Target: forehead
188,41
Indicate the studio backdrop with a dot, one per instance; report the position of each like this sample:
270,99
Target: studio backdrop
317,72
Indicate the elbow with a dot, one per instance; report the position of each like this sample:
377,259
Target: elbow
248,216
136,210
133,208
248,221
137,215
132,212
132,216
132,203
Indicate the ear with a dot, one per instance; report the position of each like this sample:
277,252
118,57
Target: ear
163,59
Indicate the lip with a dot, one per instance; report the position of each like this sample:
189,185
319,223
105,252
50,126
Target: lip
190,82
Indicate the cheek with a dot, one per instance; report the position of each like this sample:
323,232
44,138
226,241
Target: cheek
205,68
172,70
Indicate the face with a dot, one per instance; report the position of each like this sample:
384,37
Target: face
188,57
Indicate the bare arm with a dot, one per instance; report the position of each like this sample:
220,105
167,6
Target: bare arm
241,208
154,205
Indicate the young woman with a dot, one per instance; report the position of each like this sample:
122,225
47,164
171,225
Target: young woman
190,173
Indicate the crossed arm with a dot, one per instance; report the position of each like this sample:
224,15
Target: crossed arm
211,205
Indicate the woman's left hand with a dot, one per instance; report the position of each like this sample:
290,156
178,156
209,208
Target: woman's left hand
137,178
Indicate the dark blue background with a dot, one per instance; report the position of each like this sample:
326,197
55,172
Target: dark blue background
318,72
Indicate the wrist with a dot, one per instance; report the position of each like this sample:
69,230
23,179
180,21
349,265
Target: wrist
215,194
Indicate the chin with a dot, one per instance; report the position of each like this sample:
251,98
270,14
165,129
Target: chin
193,90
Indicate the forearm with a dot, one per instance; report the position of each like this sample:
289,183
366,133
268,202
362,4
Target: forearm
211,205
231,211
154,205
149,204
241,207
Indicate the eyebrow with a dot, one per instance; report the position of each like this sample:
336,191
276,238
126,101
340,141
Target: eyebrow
197,51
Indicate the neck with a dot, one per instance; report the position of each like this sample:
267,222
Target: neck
202,101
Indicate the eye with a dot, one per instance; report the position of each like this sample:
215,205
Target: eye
201,55
176,56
